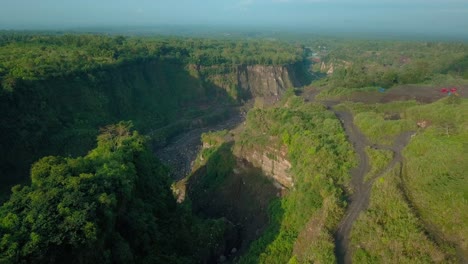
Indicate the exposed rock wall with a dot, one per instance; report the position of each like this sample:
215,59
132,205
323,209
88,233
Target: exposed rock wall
250,81
273,163
329,69
260,81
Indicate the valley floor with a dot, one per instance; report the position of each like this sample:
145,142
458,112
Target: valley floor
180,153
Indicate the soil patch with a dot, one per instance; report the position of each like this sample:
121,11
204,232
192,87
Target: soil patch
423,94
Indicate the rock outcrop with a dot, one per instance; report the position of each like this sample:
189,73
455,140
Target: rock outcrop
251,81
273,163
264,81
329,69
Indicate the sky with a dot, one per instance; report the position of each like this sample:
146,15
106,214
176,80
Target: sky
408,16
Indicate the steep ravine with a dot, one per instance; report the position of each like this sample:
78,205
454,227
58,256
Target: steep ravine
170,105
229,184
62,115
241,195
255,81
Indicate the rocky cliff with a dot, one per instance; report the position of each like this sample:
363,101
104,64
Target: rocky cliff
259,81
273,163
249,81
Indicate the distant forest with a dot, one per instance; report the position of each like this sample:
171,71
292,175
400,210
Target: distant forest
32,57
364,63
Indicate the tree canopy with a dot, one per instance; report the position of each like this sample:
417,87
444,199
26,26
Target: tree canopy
113,205
39,56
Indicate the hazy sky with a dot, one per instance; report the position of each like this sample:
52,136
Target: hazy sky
418,16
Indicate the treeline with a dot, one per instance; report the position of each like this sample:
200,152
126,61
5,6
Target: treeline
113,205
389,63
32,57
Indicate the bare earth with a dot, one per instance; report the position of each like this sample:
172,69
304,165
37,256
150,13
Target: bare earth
361,189
424,94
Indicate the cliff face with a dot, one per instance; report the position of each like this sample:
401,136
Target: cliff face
260,81
250,81
273,163
329,69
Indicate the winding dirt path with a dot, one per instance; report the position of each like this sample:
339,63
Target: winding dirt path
361,189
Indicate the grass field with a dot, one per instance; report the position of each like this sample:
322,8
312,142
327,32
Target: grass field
390,232
434,181
379,158
381,123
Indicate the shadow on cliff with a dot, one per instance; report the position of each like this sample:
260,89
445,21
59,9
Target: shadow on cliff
230,188
62,115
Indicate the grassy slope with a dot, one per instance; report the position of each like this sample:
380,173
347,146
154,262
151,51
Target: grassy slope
379,158
389,231
373,120
434,180
435,172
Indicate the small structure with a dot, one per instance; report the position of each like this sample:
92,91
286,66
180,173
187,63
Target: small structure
450,91
423,123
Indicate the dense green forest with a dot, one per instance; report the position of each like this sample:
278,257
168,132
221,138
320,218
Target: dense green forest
363,63
36,57
113,205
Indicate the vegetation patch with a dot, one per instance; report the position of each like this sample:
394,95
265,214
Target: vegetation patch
379,159
390,232
435,173
375,120
362,63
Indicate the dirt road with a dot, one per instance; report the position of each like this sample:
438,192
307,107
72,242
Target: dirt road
361,189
